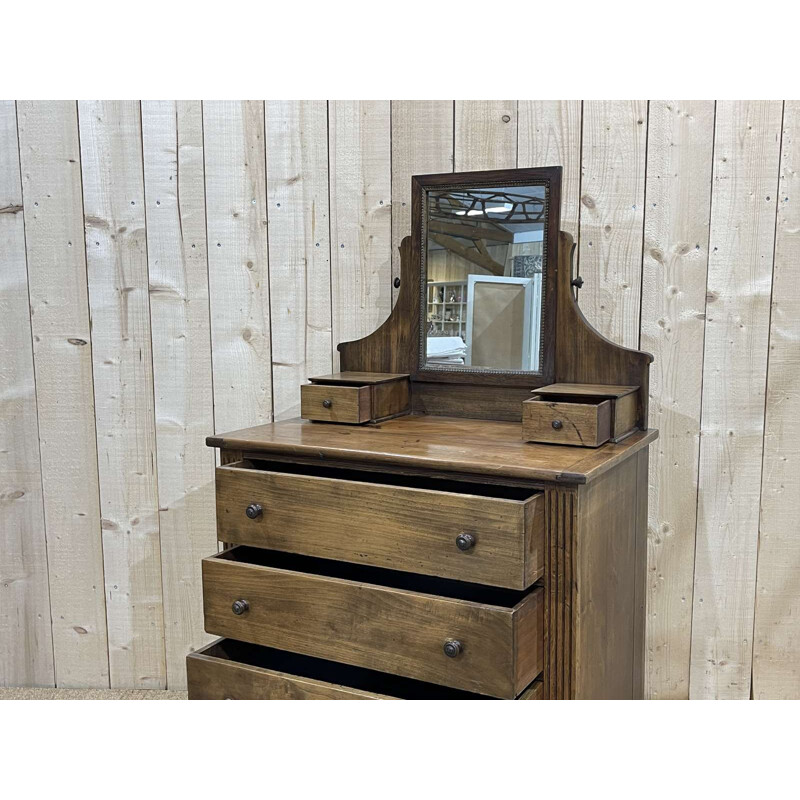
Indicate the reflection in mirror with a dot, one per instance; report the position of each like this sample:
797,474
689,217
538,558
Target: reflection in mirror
484,277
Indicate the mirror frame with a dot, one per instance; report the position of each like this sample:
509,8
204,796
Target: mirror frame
550,177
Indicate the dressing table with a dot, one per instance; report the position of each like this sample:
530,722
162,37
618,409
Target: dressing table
462,512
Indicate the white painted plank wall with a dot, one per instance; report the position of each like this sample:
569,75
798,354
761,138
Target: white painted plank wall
675,267
116,254
26,657
776,638
299,247
174,184
238,262
361,217
62,350
612,215
741,245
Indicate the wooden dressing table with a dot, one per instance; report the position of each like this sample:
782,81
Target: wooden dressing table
435,554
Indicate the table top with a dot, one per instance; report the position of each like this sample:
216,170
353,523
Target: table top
441,444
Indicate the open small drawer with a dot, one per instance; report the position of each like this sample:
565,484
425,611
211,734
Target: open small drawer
586,415
230,670
355,397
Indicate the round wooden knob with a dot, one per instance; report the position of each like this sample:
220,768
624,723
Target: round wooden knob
239,607
254,511
327,403
452,648
465,541
557,424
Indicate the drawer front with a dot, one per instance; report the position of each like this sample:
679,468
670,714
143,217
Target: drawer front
398,527
213,675
231,670
386,629
586,424
336,403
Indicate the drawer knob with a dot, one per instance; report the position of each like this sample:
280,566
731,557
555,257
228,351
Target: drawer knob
452,648
254,511
465,541
327,403
239,607
557,424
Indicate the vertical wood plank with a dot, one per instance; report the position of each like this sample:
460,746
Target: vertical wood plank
62,348
422,143
776,643
237,261
299,247
116,254
172,143
361,217
485,134
550,135
611,216
743,208
26,641
680,149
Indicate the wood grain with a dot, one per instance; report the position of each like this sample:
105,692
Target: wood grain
62,349
611,215
485,135
604,601
422,143
378,627
583,424
361,217
399,527
675,266
494,450
228,670
116,252
743,208
172,141
299,246
776,640
26,641
550,135
233,140
348,404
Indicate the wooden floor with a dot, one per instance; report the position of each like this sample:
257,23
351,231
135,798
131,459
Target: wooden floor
175,269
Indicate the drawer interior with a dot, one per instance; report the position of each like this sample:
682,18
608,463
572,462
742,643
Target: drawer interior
389,479
572,399
332,672
443,587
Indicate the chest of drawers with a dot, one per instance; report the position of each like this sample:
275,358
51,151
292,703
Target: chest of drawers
425,557
412,538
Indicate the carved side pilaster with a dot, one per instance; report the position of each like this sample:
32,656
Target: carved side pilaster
560,515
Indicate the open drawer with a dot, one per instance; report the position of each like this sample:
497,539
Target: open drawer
474,638
231,670
580,414
475,532
355,397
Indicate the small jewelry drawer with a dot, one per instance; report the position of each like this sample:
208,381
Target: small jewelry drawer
354,397
482,533
580,414
474,638
231,670
552,422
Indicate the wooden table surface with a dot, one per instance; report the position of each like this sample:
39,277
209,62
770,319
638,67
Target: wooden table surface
476,447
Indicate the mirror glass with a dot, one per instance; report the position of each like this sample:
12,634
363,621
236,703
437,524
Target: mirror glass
484,270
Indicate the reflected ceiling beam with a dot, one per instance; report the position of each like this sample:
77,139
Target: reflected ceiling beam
467,231
471,254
